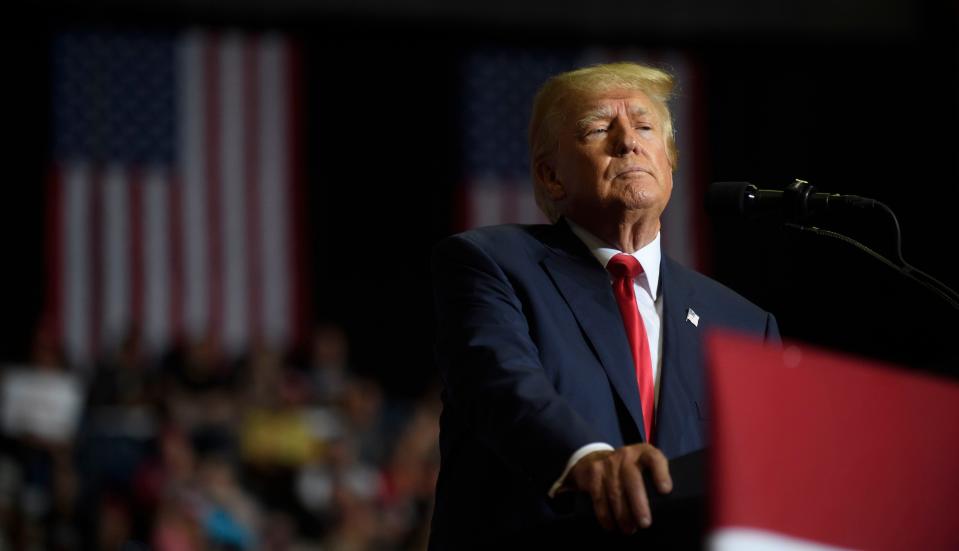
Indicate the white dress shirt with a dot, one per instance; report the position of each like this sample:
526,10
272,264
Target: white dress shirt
650,303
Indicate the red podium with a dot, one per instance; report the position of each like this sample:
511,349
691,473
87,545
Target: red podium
812,450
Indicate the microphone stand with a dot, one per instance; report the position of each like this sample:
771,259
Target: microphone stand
939,288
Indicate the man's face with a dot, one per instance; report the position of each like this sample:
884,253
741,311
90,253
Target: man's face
611,159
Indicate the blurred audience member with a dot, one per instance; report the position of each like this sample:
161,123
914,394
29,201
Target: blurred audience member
123,392
229,516
200,385
365,419
41,404
274,429
341,492
329,363
409,477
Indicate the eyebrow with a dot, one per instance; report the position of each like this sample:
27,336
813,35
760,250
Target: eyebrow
606,113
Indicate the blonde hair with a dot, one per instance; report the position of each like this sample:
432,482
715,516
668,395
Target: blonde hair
558,95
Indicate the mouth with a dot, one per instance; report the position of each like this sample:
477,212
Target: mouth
633,171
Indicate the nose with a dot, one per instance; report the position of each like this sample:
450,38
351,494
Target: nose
626,141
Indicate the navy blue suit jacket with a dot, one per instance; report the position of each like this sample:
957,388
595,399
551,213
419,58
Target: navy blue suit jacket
535,364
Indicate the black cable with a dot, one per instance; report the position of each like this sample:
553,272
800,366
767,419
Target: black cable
905,270
942,286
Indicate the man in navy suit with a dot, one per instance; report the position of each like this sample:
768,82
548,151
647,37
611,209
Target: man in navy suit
540,383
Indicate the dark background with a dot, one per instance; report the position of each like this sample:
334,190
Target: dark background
854,96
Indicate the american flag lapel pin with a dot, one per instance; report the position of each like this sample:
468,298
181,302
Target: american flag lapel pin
692,317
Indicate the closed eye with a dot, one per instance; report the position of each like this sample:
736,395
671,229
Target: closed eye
597,131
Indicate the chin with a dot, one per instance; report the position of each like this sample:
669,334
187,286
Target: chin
640,199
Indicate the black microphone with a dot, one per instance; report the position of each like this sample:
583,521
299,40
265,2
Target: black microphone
796,202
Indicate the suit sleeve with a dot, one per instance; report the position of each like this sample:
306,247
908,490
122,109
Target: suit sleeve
494,383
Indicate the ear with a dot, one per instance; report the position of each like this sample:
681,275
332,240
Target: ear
546,178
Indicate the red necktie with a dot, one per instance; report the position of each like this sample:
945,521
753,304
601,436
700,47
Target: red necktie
624,269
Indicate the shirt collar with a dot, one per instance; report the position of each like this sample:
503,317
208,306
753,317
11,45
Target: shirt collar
649,256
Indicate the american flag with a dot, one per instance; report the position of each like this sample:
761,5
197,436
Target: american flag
498,89
173,198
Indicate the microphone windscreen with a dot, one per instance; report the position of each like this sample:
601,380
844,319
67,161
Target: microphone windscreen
727,198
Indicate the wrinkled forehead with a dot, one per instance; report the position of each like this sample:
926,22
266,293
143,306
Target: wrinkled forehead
593,105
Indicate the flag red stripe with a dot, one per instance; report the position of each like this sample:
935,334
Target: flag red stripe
211,109
508,209
299,299
177,266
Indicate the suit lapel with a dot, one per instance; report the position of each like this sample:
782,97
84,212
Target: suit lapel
585,286
680,362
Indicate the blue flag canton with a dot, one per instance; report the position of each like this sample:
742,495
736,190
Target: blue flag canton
499,89
114,97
